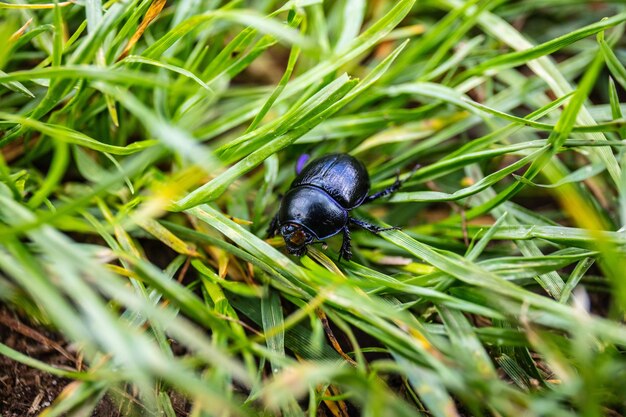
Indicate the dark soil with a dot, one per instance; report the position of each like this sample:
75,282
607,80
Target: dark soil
26,391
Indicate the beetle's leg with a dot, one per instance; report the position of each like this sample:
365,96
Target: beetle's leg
345,251
392,189
273,227
371,227
302,160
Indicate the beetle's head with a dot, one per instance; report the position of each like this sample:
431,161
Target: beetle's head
296,237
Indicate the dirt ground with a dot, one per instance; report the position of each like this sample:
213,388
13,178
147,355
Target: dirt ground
25,391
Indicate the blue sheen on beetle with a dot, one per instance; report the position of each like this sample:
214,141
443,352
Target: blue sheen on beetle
317,204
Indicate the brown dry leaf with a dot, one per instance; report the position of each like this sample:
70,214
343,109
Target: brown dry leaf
223,261
14,150
21,328
331,336
18,34
384,49
152,13
338,408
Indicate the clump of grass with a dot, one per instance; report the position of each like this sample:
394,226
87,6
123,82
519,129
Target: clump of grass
145,146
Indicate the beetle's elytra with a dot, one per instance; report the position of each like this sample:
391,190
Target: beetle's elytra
318,202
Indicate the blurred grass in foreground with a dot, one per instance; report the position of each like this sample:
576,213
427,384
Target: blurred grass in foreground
145,145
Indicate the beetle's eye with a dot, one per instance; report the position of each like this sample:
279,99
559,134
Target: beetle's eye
289,228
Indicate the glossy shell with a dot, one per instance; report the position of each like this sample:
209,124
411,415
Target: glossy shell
314,209
343,177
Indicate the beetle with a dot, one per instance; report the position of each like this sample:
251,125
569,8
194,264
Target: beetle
319,200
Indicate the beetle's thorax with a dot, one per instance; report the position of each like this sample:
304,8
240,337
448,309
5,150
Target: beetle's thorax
313,209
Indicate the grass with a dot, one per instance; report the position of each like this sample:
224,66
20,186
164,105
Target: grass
145,145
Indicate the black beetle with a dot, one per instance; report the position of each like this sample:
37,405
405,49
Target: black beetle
316,205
